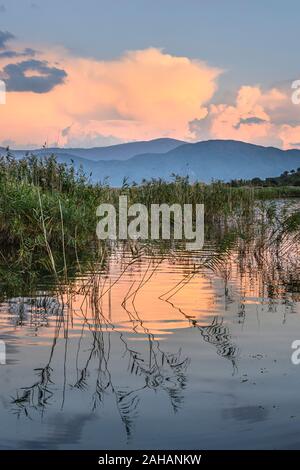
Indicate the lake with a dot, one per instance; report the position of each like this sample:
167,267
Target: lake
157,350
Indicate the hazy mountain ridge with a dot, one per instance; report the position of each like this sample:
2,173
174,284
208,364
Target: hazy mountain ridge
112,152
204,161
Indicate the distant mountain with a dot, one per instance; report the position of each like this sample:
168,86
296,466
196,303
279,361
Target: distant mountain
204,161
126,151
113,152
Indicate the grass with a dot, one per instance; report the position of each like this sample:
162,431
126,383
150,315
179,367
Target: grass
277,192
48,210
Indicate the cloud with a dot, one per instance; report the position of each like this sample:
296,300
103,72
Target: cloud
8,54
2,8
141,95
290,136
32,75
5,53
65,132
251,118
5,36
77,135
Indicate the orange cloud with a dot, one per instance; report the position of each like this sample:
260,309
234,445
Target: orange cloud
250,119
142,95
290,136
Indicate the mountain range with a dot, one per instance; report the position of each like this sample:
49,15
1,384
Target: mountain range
160,158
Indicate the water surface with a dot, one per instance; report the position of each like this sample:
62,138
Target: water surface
155,352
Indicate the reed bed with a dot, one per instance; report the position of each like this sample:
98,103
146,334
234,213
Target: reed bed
48,210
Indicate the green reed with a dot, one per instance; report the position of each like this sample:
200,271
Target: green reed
48,209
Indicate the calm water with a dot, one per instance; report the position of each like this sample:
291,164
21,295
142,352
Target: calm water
154,354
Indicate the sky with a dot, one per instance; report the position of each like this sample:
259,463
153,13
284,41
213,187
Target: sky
96,72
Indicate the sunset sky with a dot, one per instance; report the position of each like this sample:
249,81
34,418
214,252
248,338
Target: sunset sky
94,72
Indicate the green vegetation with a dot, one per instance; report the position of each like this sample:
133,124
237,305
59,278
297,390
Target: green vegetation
48,211
276,192
287,180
